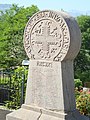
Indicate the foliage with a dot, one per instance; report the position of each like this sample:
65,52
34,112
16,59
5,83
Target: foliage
18,85
83,103
82,62
12,24
77,93
78,83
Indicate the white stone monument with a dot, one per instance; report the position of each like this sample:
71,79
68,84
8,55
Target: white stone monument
51,40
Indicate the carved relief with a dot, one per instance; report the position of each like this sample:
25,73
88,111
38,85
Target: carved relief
44,64
46,37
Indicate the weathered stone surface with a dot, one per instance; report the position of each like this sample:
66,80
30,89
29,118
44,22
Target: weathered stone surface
47,83
51,40
3,113
51,35
36,113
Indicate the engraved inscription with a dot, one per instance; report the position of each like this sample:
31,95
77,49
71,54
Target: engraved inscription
46,37
44,64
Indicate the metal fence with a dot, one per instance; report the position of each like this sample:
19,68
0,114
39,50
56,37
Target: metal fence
10,91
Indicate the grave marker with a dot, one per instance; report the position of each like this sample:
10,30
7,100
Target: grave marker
51,40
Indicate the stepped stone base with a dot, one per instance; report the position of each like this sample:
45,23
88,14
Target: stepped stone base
34,113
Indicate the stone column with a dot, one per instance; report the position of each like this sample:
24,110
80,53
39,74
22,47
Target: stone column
51,40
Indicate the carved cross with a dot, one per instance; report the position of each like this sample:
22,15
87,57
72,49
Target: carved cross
45,39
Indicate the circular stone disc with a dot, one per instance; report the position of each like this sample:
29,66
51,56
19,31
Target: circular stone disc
46,36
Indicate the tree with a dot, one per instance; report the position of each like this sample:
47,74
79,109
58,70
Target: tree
12,24
82,62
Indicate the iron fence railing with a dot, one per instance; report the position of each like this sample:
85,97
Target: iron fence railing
10,89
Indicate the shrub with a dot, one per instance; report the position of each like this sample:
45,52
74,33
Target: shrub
78,84
18,88
83,103
77,93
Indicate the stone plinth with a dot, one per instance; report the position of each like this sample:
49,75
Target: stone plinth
51,40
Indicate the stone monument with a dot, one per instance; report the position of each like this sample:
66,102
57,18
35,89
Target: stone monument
51,40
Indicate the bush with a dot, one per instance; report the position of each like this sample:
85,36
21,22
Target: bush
77,93
18,88
78,84
83,102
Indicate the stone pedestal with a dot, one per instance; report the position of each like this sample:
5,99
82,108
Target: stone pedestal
52,41
28,112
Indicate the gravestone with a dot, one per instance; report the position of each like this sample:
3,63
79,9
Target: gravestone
51,40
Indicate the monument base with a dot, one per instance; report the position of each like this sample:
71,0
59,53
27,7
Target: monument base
35,113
